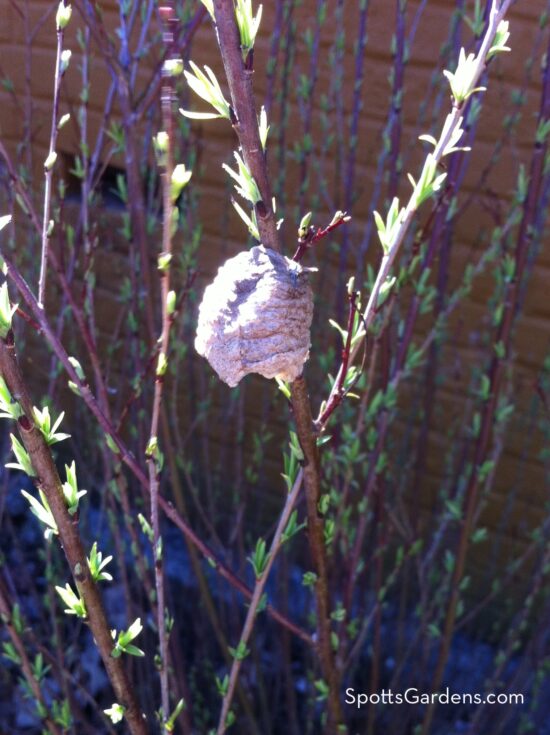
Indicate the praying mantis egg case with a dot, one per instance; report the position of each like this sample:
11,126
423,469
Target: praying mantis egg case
255,317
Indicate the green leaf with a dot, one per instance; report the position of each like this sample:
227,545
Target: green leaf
241,652
250,222
206,86
23,460
63,15
6,311
115,713
49,432
462,80
247,24
171,721
123,642
209,5
244,182
501,37
263,127
180,178
9,408
260,558
292,527
42,510
70,489
97,563
75,605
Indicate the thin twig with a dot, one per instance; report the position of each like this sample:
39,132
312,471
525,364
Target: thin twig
168,19
48,169
259,588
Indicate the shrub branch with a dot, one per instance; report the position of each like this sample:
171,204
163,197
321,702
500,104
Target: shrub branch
245,122
50,483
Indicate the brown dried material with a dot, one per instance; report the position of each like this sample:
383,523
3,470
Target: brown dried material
255,317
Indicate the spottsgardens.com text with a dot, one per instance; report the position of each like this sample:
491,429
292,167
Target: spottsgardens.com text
415,696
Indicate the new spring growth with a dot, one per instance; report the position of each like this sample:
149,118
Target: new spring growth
79,374
123,642
244,181
263,127
388,229
4,221
64,120
63,15
70,489
97,564
163,262
463,79
305,222
501,37
115,713
160,144
44,423
171,302
248,25
75,606
6,311
23,460
207,87
9,409
172,67
49,163
41,509
65,60
162,366
180,179
209,5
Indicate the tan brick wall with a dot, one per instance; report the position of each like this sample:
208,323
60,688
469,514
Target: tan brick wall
531,338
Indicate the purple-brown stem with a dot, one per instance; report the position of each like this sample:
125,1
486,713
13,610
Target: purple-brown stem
167,100
245,123
313,235
48,170
47,478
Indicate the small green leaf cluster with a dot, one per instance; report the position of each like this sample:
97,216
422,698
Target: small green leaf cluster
463,78
207,87
240,652
180,178
292,527
75,604
124,640
63,15
115,713
97,564
9,409
248,25
292,461
44,423
7,310
428,183
244,182
260,558
387,230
